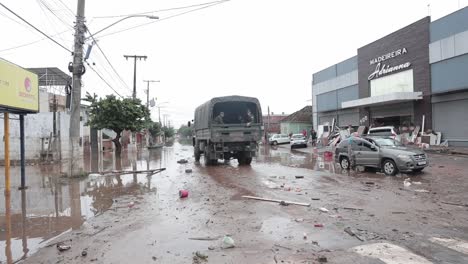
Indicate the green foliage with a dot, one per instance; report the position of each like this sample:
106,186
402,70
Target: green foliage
117,114
155,128
185,131
168,132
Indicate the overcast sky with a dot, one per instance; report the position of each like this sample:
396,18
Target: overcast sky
262,48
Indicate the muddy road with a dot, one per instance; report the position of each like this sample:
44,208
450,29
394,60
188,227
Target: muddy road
353,217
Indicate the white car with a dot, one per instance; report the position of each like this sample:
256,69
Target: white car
298,140
278,139
387,131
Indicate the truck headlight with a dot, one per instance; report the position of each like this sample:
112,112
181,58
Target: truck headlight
404,157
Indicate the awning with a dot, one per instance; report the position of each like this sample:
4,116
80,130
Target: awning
391,98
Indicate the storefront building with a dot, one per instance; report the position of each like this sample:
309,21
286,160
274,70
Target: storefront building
449,76
415,76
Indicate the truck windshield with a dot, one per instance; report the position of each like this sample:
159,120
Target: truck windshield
235,113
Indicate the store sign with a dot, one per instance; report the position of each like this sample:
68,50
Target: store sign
386,69
383,69
19,88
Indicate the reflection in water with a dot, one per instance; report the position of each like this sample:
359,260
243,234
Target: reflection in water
53,205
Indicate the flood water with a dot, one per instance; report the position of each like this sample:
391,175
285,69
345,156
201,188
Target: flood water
53,205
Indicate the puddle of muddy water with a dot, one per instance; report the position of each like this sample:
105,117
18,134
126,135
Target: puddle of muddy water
53,205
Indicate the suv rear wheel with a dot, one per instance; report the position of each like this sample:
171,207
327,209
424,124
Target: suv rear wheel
389,167
275,143
344,163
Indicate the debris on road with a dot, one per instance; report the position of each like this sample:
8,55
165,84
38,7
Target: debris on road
275,200
299,177
417,183
228,242
182,161
318,225
315,199
299,220
352,208
62,247
407,182
84,253
324,210
322,259
370,183
208,238
183,193
422,191
201,255
351,233
304,235
456,204
188,170
398,212
280,246
131,204
211,248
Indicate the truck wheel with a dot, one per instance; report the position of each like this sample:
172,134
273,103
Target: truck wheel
275,143
197,154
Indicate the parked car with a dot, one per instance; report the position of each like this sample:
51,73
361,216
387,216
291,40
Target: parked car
387,131
279,139
383,153
298,140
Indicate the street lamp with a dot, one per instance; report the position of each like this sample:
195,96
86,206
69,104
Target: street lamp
120,20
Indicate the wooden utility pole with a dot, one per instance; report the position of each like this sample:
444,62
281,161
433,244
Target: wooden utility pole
75,165
135,57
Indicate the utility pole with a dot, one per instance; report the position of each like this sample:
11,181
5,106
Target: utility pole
135,57
75,167
147,91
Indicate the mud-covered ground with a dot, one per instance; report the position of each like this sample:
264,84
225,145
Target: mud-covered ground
363,217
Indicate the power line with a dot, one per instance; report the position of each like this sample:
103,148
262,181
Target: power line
24,20
51,22
167,9
165,18
108,61
33,42
52,11
71,12
99,75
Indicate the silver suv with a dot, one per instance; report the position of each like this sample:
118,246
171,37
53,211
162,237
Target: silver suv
384,153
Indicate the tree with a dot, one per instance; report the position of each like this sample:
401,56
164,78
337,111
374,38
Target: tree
155,129
118,115
168,132
185,131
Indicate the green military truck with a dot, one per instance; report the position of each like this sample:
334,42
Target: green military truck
227,127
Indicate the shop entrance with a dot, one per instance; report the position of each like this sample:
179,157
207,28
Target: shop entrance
395,121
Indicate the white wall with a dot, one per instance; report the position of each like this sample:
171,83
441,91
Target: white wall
37,126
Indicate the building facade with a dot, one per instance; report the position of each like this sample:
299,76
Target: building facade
411,77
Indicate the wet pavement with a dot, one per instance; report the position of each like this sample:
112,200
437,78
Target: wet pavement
140,218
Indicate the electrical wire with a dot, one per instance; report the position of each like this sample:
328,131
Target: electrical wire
53,13
51,22
99,75
71,12
165,18
24,20
33,42
163,10
108,61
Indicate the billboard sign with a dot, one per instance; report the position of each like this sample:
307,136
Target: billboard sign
19,88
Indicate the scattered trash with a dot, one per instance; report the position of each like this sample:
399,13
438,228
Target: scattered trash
182,161
205,238
84,253
318,225
322,259
298,190
370,183
183,193
351,233
407,182
131,204
154,258
398,212
94,175
315,199
228,242
275,200
417,183
201,255
299,220
62,247
352,208
211,248
188,170
323,210
304,235
299,177
421,191
277,245
456,204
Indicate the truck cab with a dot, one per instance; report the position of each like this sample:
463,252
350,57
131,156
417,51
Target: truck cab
227,128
